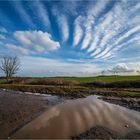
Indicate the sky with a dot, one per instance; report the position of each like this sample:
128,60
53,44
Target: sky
71,37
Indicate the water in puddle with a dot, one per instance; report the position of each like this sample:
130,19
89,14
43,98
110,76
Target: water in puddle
50,98
77,116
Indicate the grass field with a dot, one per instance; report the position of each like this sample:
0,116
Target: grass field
3,81
105,79
99,78
126,86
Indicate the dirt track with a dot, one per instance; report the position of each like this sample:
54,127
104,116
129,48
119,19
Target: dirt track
17,109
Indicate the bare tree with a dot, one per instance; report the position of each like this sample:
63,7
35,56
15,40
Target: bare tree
10,66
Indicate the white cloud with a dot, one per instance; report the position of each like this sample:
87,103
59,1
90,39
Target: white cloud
106,29
109,34
92,47
43,66
97,8
133,40
64,27
121,68
70,7
92,13
106,37
109,50
97,50
42,13
17,49
37,40
107,55
127,34
86,40
109,27
78,31
104,53
135,8
120,40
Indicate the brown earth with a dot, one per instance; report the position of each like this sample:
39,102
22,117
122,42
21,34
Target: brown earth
131,103
99,132
18,109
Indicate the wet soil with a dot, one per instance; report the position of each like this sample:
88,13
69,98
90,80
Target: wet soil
77,116
99,132
131,103
17,109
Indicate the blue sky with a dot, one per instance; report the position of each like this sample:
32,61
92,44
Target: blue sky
71,38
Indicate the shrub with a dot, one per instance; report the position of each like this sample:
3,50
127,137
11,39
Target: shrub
53,82
118,84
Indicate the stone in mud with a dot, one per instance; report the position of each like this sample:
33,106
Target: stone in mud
126,126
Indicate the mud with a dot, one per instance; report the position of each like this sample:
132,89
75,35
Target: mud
77,116
18,109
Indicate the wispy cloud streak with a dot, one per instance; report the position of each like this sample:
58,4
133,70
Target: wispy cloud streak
23,13
64,27
42,13
92,14
62,22
113,32
78,31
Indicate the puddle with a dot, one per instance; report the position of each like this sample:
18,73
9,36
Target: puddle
53,99
77,116
38,94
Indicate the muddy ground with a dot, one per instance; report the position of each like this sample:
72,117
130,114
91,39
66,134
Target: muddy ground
17,109
99,132
131,103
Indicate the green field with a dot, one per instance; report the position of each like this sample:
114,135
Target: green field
3,81
101,78
105,79
76,85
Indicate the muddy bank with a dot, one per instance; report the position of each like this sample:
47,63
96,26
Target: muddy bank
99,132
131,103
63,91
74,91
17,109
